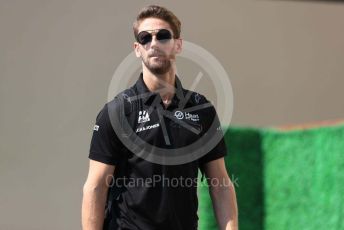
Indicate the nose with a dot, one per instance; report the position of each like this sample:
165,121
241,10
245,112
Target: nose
154,41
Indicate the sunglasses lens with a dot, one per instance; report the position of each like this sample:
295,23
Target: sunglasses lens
163,35
144,37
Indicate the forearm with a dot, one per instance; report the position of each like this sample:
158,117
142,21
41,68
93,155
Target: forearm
225,206
93,206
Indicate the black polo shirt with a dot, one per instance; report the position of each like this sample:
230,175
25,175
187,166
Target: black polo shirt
149,195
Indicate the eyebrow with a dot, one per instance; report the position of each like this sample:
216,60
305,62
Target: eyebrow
155,30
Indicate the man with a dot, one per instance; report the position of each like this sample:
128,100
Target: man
157,205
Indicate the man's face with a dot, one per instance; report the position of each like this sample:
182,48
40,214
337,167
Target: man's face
156,55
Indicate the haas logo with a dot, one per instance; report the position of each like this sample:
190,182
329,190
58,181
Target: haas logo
143,116
188,116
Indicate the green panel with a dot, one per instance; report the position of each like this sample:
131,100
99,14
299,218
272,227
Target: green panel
244,165
304,175
286,179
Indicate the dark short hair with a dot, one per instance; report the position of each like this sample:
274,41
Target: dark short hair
155,11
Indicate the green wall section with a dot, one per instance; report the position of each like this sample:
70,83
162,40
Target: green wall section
245,168
304,179
284,179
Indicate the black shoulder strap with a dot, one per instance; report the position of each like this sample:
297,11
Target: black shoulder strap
130,100
127,97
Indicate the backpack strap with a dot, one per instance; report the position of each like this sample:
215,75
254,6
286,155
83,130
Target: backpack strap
127,104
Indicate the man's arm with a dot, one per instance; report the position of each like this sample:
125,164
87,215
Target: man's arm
94,195
222,193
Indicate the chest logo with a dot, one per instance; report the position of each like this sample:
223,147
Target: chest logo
187,116
143,116
140,129
179,115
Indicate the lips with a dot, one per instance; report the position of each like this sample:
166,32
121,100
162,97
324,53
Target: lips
156,56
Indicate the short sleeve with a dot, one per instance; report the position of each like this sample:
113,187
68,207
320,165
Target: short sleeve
105,145
214,132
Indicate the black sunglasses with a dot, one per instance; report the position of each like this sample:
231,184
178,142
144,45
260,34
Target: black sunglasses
162,35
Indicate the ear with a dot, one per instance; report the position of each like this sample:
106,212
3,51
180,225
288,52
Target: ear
178,45
136,49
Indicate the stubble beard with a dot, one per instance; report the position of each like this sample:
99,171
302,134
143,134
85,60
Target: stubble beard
158,67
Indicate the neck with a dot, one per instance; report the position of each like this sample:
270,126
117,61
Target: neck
163,83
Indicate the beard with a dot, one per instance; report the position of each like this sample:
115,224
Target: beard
160,65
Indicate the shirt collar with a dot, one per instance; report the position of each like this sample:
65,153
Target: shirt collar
148,96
